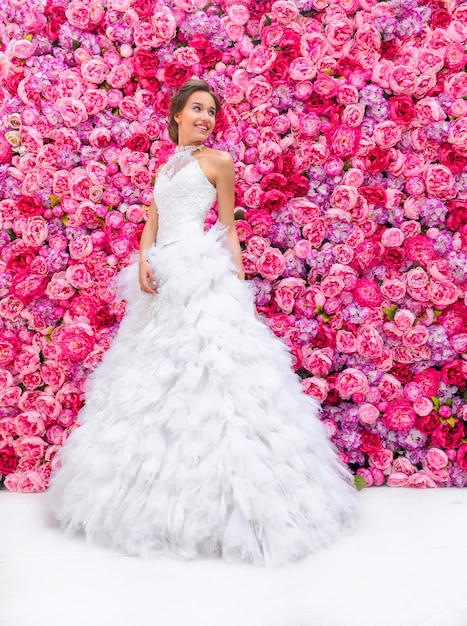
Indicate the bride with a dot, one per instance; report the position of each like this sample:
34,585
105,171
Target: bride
196,438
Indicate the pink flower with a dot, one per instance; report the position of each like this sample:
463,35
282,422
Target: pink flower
367,293
316,387
368,413
402,80
421,481
401,464
318,361
398,479
389,387
261,59
346,341
351,381
393,289
271,264
73,111
287,291
94,71
315,231
442,294
439,181
381,459
399,415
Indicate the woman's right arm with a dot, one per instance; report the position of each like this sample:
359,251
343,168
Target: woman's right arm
148,237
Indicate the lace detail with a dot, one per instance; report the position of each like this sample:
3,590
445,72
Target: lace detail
182,201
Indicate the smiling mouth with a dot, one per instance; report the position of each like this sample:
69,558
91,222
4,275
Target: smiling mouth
203,128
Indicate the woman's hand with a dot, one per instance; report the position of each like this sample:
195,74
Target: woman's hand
147,281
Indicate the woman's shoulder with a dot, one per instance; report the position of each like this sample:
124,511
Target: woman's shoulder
218,156
220,162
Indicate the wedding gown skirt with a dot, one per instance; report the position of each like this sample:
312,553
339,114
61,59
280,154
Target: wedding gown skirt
196,438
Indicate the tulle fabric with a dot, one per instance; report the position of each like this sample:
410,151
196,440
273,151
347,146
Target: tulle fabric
196,439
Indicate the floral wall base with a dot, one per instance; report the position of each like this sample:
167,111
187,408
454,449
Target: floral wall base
347,120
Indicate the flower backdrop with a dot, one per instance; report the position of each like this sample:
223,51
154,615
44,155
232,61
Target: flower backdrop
347,120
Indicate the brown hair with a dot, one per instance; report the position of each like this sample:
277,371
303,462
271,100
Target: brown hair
180,99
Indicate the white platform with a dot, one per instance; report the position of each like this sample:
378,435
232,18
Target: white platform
404,565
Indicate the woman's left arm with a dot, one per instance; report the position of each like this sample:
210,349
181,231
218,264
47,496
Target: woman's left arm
225,185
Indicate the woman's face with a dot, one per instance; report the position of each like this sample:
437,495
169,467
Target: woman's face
197,118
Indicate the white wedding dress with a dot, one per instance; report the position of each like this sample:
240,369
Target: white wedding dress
196,438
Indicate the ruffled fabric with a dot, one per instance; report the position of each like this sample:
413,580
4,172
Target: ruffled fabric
196,439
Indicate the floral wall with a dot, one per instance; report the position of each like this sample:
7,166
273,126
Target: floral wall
347,120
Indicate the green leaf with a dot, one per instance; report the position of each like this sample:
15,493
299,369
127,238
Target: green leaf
390,311
267,20
12,234
451,421
360,483
239,214
436,402
55,200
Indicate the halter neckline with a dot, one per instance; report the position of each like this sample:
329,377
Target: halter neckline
189,148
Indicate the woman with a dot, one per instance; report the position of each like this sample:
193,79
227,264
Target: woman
196,438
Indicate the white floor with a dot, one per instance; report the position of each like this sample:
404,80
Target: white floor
404,565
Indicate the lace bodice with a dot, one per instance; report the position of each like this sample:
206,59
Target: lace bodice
183,196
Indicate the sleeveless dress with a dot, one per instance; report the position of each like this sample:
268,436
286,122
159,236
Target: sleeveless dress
196,438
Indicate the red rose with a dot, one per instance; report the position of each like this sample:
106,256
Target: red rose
260,220
449,157
457,214
347,65
28,205
145,63
452,321
440,19
428,423
279,72
377,160
207,53
371,442
389,48
144,8
402,372
290,41
401,110
139,142
8,460
286,165
447,436
462,456
318,104
12,82
428,380
454,373
393,257
373,194
326,337
175,75
5,151
152,84
367,293
273,181
297,186
273,200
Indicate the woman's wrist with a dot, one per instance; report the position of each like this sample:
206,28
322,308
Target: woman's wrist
143,261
